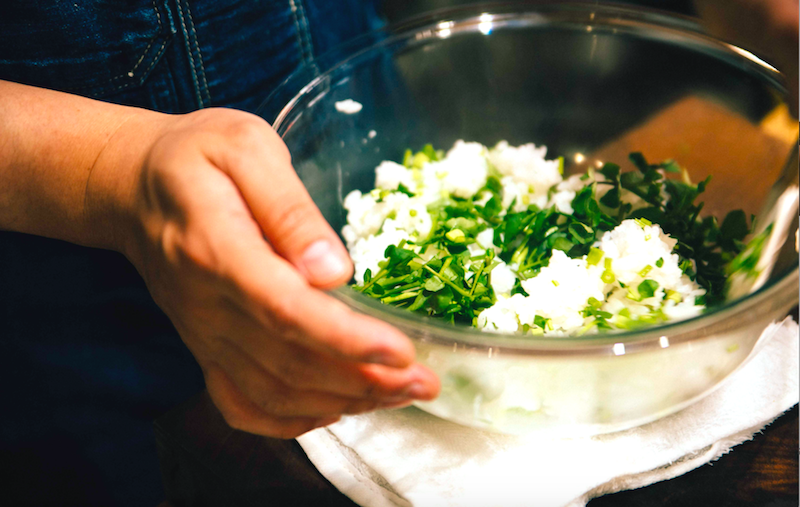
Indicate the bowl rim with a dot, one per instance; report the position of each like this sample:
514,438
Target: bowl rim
779,293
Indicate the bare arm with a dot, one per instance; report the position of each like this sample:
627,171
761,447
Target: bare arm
50,143
189,200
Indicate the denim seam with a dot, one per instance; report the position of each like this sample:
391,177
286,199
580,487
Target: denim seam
149,44
155,59
129,74
202,71
190,54
306,31
300,34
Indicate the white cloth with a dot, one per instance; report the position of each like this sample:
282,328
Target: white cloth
410,458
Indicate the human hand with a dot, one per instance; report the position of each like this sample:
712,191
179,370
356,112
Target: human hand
279,356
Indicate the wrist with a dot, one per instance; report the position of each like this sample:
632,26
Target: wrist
110,203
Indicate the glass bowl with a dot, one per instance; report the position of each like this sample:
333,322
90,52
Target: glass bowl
592,82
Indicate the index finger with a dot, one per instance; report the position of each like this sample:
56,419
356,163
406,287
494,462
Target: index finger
261,168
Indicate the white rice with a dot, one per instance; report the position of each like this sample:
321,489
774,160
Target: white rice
561,292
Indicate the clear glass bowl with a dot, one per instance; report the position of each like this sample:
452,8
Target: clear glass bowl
592,82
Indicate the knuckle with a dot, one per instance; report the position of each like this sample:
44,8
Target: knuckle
247,130
292,217
376,384
298,374
188,250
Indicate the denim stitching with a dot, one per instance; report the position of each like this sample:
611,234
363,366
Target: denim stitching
202,71
300,42
306,32
190,54
129,74
144,53
155,60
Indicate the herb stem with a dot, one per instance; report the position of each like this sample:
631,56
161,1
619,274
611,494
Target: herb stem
477,277
377,277
400,297
448,282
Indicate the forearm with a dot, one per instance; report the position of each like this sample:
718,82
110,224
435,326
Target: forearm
209,210
67,163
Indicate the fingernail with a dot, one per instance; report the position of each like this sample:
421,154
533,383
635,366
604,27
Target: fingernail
416,390
322,263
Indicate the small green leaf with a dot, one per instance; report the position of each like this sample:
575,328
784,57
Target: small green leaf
670,166
561,243
403,189
611,198
418,302
610,170
647,288
734,226
639,161
434,284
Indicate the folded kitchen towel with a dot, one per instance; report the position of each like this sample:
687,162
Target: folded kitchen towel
410,458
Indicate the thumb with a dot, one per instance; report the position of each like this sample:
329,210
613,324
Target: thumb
260,166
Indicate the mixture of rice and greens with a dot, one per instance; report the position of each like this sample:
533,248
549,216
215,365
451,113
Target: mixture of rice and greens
498,238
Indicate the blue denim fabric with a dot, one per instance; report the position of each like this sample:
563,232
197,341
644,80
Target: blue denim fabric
88,360
172,55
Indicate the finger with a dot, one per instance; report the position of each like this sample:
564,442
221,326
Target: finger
261,168
310,370
317,321
278,399
242,414
272,291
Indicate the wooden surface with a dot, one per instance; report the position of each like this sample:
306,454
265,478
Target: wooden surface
206,463
743,158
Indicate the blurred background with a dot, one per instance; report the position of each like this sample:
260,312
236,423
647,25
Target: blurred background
397,10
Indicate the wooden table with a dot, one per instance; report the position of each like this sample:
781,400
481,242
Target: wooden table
205,463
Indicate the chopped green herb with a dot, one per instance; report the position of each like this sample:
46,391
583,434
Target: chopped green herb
594,256
451,281
647,288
